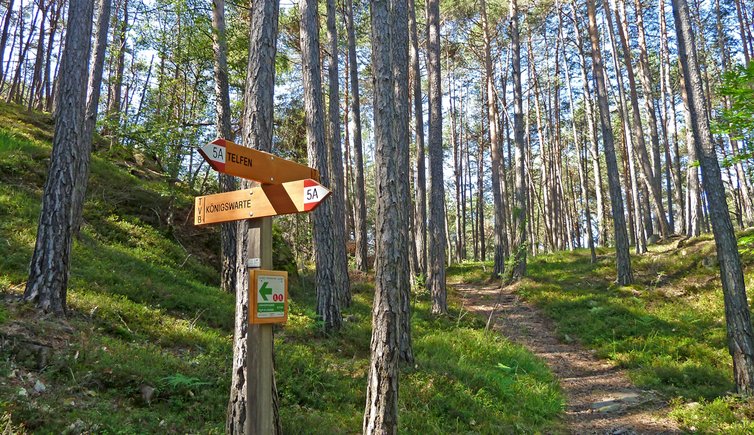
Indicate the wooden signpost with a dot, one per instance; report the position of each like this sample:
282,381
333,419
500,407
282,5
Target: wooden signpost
262,201
286,187
233,159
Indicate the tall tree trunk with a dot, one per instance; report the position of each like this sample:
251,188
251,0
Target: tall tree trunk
116,105
623,260
645,164
223,127
592,128
519,210
435,224
4,36
36,81
738,319
257,133
57,8
645,77
581,165
635,215
495,146
328,306
381,410
400,125
335,154
360,217
50,264
480,198
92,108
694,212
420,193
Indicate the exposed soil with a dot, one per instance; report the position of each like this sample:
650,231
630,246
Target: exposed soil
600,397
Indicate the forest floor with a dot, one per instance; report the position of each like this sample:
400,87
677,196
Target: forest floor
600,397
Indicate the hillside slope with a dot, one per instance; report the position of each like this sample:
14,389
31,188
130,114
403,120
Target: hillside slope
146,347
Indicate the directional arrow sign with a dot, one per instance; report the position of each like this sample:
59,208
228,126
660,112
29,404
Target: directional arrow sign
263,201
233,159
268,296
265,290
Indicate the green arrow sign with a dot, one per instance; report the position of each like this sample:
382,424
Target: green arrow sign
265,291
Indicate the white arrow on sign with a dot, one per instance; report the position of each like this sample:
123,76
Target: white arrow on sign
313,194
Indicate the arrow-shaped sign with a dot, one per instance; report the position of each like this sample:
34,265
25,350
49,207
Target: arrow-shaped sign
263,201
265,291
233,159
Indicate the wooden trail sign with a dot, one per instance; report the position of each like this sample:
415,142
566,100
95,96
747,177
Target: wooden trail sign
262,201
233,159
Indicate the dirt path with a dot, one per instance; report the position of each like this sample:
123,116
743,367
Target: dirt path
600,397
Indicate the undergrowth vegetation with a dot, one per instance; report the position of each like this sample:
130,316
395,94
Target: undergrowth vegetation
146,346
668,328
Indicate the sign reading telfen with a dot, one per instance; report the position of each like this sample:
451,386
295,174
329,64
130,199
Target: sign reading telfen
268,296
233,159
263,201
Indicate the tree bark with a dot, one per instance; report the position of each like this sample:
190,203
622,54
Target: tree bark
50,264
400,124
256,133
228,183
436,248
328,306
360,217
116,105
90,120
421,173
381,411
623,260
335,155
495,146
737,316
519,211
4,37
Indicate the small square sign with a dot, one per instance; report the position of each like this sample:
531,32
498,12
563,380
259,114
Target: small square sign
268,296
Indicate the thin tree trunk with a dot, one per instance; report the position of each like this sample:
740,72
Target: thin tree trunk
437,237
50,264
57,7
328,306
400,125
223,127
645,77
592,128
645,165
92,108
4,37
337,179
622,257
420,191
116,105
738,319
257,133
694,212
360,217
495,146
635,214
519,211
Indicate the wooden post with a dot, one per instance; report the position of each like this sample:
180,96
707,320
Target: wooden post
260,418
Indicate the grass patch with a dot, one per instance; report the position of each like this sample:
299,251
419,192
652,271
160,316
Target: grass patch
667,329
